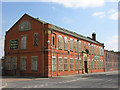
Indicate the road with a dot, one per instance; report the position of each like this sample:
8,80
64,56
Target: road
102,80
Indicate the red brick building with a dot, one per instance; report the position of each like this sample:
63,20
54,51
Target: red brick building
36,48
111,60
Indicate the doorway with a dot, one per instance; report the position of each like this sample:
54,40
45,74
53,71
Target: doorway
85,66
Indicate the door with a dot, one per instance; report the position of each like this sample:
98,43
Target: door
85,66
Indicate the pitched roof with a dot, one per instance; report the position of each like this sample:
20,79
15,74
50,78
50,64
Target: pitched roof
56,28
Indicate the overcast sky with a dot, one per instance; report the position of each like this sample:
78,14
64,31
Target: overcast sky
81,16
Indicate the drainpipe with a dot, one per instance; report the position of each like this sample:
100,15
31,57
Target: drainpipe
51,50
43,49
78,58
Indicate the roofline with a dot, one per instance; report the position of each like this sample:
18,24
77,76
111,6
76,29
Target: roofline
59,31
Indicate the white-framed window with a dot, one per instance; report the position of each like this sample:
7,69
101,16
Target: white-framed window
60,42
89,64
60,63
84,45
76,49
89,48
94,50
99,51
95,63
100,64
24,26
34,63
35,39
23,60
8,65
102,51
23,41
71,44
103,64
76,64
71,64
54,63
80,64
65,43
66,64
14,62
79,46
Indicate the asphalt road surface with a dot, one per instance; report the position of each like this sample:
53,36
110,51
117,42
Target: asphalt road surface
102,80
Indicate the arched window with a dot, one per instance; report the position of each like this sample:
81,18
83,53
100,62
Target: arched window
24,26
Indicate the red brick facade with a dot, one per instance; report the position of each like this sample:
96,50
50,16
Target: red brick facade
45,50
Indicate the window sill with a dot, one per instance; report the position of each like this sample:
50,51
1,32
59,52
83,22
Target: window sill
23,70
60,49
23,49
34,70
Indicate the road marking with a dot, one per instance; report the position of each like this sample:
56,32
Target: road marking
3,86
108,80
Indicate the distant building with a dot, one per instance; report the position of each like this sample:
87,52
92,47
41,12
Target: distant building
36,48
2,66
111,60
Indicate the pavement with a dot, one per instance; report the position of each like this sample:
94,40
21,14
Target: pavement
69,81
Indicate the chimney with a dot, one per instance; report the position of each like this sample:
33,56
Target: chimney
94,36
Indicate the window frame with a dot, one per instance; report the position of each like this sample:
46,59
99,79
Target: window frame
34,69
24,42
60,64
35,39
65,58
21,63
26,27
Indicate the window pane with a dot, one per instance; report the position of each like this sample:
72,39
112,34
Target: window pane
14,61
76,46
25,25
23,63
36,39
76,64
80,64
60,64
34,60
60,42
71,44
65,43
65,64
54,64
23,41
8,67
80,46
71,64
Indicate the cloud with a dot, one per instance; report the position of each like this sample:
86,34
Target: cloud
79,3
111,11
71,3
113,16
53,7
99,14
112,44
111,0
